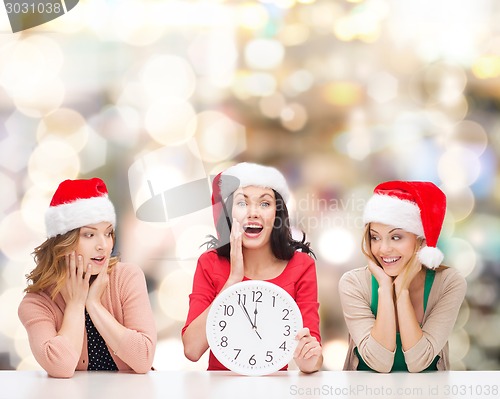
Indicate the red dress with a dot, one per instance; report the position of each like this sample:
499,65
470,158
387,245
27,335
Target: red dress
298,279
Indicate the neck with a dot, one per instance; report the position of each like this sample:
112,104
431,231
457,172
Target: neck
258,261
418,282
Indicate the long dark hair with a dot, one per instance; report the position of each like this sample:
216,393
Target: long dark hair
283,245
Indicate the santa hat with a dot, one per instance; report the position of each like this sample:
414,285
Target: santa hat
78,203
242,175
416,207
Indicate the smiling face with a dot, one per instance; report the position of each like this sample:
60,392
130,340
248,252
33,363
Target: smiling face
255,209
392,247
95,243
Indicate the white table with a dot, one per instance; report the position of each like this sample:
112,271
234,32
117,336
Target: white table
222,385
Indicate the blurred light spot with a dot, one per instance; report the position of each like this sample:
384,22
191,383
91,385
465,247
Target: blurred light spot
336,245
17,238
460,255
460,202
93,155
167,76
264,54
27,63
343,93
272,105
121,124
294,34
300,81
10,321
383,87
459,344
168,121
486,67
175,285
489,336
214,54
52,162
15,149
470,135
41,98
188,242
64,125
8,197
334,353
251,16
34,203
458,167
218,137
293,117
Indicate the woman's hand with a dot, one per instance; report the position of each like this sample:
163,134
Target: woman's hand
383,279
308,353
98,286
404,279
76,287
236,256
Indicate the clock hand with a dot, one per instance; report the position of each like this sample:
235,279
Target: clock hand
255,316
246,313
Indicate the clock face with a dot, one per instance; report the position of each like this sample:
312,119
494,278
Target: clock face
251,327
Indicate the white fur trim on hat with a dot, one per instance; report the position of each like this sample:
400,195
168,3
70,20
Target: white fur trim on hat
66,217
430,257
251,174
395,212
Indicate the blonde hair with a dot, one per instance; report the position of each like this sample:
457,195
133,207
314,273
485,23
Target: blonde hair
50,271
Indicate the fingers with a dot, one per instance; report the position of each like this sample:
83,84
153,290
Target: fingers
308,345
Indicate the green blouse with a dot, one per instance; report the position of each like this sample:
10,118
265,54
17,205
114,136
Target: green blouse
399,358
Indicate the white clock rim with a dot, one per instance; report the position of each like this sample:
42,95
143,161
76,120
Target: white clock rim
228,292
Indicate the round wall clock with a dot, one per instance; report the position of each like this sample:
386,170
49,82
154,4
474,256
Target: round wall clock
251,327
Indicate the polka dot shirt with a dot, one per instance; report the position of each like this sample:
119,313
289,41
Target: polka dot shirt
99,356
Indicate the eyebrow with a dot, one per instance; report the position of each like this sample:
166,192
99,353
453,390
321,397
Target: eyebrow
262,196
93,228
396,228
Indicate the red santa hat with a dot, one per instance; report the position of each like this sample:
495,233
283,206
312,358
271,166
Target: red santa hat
78,203
416,207
242,175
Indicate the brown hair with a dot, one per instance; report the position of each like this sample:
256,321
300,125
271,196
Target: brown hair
50,258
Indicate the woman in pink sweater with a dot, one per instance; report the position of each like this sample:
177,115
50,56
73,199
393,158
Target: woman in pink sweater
83,309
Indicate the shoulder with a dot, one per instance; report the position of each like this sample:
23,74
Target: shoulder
301,259
449,277
125,272
357,276
35,302
212,261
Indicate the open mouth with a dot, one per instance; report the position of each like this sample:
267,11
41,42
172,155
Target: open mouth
98,259
392,259
252,229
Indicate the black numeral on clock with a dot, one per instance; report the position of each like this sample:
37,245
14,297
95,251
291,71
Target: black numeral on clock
286,312
228,310
242,299
237,350
287,332
252,361
222,325
257,295
269,356
223,341
283,346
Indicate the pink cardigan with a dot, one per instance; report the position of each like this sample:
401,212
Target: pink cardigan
126,298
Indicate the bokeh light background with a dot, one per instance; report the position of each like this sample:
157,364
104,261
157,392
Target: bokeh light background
339,95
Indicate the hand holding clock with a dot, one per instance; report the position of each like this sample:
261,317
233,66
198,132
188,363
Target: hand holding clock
308,353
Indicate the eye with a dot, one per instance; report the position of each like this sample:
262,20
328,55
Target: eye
374,238
87,235
265,204
241,204
109,233
396,238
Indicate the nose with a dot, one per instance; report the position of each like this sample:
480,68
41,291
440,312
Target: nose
101,243
385,246
253,210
